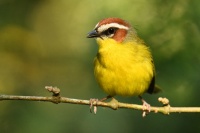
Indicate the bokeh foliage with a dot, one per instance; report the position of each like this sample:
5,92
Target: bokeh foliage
43,42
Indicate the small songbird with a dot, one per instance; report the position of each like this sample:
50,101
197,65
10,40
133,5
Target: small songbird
123,65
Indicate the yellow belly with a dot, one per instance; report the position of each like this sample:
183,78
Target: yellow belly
122,71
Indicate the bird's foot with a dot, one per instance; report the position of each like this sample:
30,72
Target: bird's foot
93,103
146,107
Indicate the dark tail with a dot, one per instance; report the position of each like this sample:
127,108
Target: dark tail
153,88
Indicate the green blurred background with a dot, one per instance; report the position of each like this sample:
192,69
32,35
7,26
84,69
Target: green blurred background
43,42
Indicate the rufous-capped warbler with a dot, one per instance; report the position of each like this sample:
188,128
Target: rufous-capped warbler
123,65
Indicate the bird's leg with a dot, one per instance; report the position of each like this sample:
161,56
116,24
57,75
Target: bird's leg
146,107
93,102
105,98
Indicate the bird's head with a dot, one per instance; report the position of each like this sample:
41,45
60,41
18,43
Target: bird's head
113,28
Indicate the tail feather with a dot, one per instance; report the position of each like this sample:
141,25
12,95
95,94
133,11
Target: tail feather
156,89
153,88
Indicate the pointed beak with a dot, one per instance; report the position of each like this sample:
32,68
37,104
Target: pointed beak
93,34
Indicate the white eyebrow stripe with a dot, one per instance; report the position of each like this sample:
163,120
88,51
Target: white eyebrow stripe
106,26
96,25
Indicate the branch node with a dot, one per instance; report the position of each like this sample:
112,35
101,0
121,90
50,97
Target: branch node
113,104
166,106
164,101
167,109
54,90
56,99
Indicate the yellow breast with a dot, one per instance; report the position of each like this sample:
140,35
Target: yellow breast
123,69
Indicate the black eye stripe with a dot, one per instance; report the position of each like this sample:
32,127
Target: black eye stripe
109,31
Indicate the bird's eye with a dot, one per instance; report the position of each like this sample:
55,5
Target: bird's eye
110,31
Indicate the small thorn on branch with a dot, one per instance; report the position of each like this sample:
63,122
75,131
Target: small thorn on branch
54,90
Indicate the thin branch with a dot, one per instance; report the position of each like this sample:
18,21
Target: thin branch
113,104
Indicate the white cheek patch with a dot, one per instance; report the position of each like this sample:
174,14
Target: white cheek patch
107,26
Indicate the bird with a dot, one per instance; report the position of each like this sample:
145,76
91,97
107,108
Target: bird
123,64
